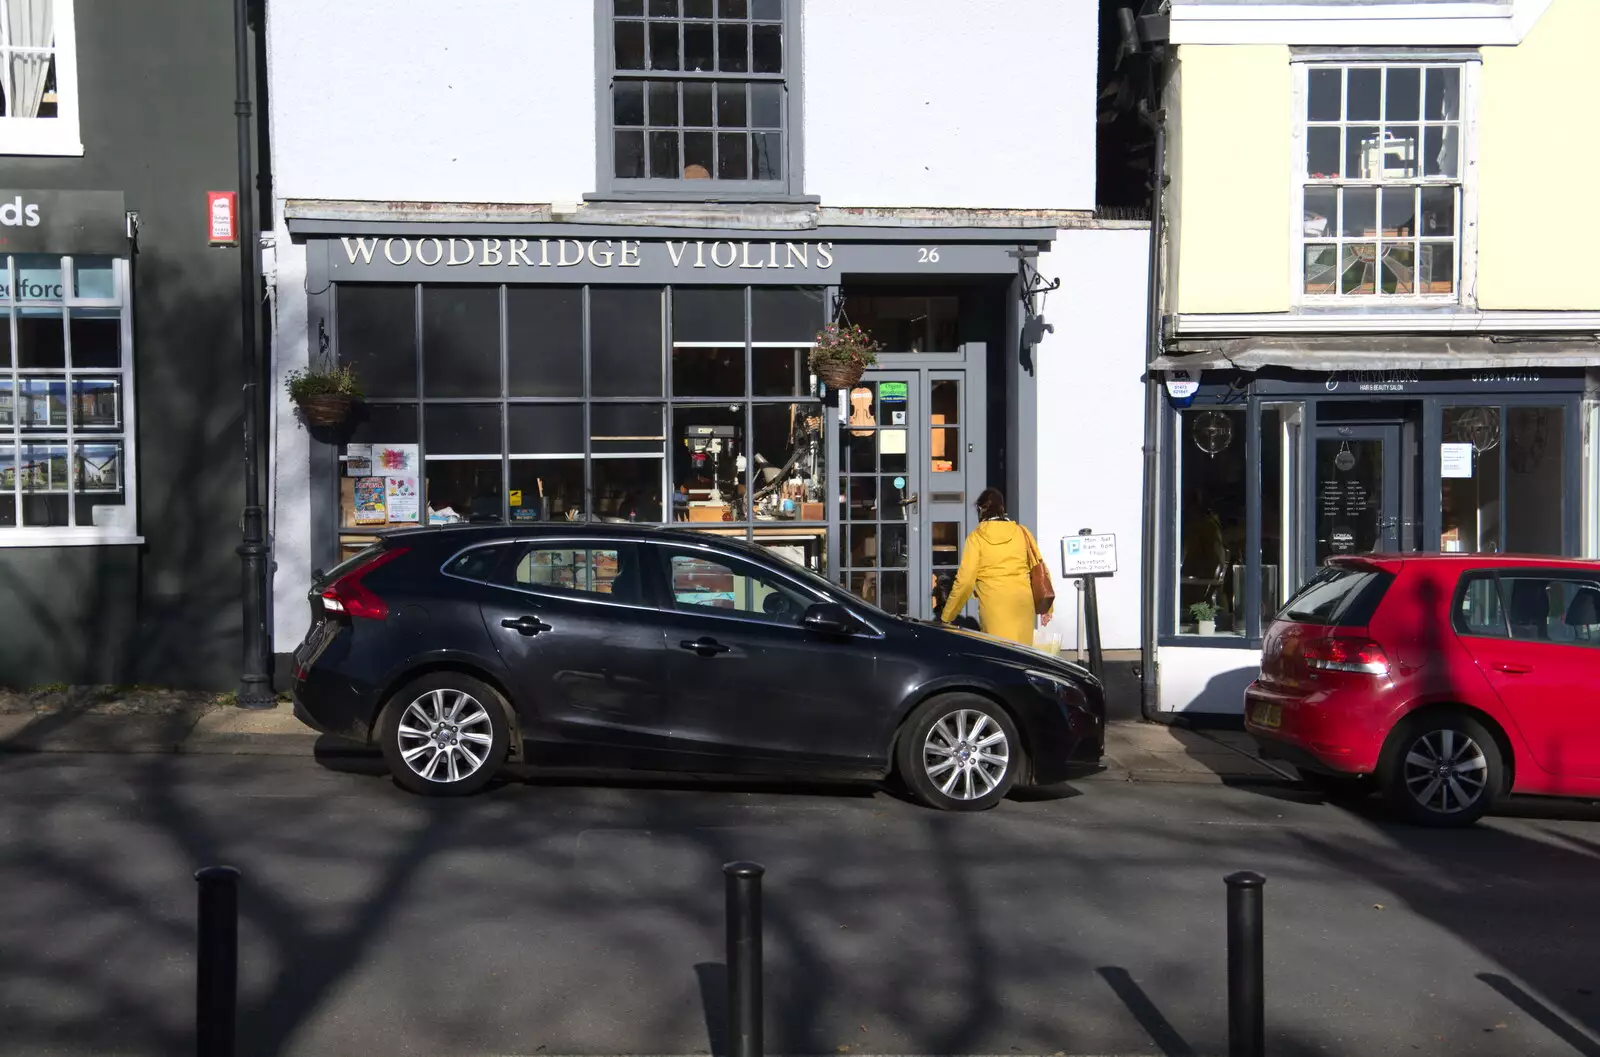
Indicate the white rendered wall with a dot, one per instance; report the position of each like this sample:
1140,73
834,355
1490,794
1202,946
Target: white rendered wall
1198,679
1091,417
933,103
289,496
943,103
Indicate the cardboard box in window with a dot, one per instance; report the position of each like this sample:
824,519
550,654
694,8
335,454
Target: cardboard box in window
706,513
936,437
811,512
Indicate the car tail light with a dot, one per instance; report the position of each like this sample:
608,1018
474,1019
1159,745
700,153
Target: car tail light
1361,656
350,596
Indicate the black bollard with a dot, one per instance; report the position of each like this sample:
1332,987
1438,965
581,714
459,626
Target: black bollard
217,967
744,958
1247,1018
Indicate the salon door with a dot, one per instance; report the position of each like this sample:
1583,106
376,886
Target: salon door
1356,494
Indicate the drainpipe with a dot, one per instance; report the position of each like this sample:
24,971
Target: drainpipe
1148,551
255,679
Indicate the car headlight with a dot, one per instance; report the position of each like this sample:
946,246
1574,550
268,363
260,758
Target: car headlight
1056,686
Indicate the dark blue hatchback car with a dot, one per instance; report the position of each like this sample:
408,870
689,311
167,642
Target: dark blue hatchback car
616,647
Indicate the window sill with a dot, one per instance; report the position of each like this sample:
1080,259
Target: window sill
1222,642
703,197
65,538
19,137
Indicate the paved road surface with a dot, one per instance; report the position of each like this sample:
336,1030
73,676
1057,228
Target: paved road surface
584,919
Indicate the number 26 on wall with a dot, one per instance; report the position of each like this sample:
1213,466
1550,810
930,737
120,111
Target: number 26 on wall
927,255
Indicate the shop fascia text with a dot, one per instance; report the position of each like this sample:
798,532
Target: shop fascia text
598,253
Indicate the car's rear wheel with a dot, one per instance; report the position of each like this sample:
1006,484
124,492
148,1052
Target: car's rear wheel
959,752
445,734
1442,769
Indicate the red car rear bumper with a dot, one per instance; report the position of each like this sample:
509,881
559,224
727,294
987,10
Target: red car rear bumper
1335,729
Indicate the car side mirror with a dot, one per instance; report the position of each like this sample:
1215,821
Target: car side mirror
829,618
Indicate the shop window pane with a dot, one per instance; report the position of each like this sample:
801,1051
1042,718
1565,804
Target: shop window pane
780,372
545,429
1322,153
892,495
44,403
629,46
461,429
907,324
546,489
790,471
626,429
708,461
860,453
864,586
96,338
461,340
8,407
698,156
39,278
786,313
99,478
863,545
708,314
707,372
378,337
892,450
733,48
95,278
96,403
861,500
45,482
625,341
1211,490
697,104
892,596
627,103
664,46
40,339
1324,94
733,156
1470,500
628,155
627,489
766,105
464,490
8,485
699,48
1272,513
544,339
1535,445
766,42
665,163
384,424
5,339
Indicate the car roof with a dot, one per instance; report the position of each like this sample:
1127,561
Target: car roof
1393,563
465,534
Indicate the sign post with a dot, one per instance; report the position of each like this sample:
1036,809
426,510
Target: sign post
1088,556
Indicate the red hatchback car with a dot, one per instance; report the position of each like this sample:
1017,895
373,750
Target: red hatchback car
1444,681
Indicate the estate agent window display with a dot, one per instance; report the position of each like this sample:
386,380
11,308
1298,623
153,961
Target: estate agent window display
690,405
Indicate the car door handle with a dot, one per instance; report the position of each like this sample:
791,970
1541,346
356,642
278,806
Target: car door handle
1513,669
705,647
525,625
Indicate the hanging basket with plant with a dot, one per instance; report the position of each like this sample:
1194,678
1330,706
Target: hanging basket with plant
842,354
324,396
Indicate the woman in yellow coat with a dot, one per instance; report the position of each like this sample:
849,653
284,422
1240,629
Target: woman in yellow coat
995,562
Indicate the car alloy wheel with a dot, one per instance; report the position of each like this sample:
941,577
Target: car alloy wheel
1446,771
966,755
445,735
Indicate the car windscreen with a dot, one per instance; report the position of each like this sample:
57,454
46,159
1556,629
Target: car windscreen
1338,595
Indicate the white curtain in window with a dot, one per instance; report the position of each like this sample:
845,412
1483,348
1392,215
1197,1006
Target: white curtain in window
31,24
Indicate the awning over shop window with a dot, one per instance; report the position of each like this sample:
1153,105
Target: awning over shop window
1416,352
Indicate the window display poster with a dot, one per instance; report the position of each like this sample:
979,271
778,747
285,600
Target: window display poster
370,501
1455,460
404,502
395,460
358,460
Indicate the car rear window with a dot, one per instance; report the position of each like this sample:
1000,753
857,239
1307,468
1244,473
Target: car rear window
1338,595
355,561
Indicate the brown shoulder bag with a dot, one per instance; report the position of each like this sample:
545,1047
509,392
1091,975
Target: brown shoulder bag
1044,592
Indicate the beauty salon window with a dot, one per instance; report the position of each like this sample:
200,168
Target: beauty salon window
1212,487
1502,480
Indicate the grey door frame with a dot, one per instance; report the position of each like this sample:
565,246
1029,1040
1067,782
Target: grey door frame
1388,434
969,366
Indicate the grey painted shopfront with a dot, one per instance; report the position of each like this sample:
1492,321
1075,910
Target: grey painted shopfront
659,375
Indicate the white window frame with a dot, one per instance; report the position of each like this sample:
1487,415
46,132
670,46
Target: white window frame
72,534
46,136
1466,279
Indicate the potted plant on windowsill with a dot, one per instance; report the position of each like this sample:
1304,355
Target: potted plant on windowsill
842,354
324,396
1205,617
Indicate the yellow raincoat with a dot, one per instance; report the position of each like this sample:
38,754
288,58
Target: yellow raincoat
996,562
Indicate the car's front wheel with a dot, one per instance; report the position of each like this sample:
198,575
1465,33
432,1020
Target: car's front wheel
445,734
959,752
1442,769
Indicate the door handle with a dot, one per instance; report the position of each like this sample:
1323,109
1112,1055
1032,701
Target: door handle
1513,669
910,500
525,625
704,646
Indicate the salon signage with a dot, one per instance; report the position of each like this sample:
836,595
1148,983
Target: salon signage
697,254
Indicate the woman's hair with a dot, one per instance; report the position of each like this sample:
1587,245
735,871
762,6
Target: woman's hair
991,503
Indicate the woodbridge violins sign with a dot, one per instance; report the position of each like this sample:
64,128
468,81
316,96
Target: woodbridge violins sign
564,255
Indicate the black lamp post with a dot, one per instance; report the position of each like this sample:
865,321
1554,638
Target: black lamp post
255,678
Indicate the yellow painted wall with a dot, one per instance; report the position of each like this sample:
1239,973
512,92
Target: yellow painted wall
1538,158
1232,183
